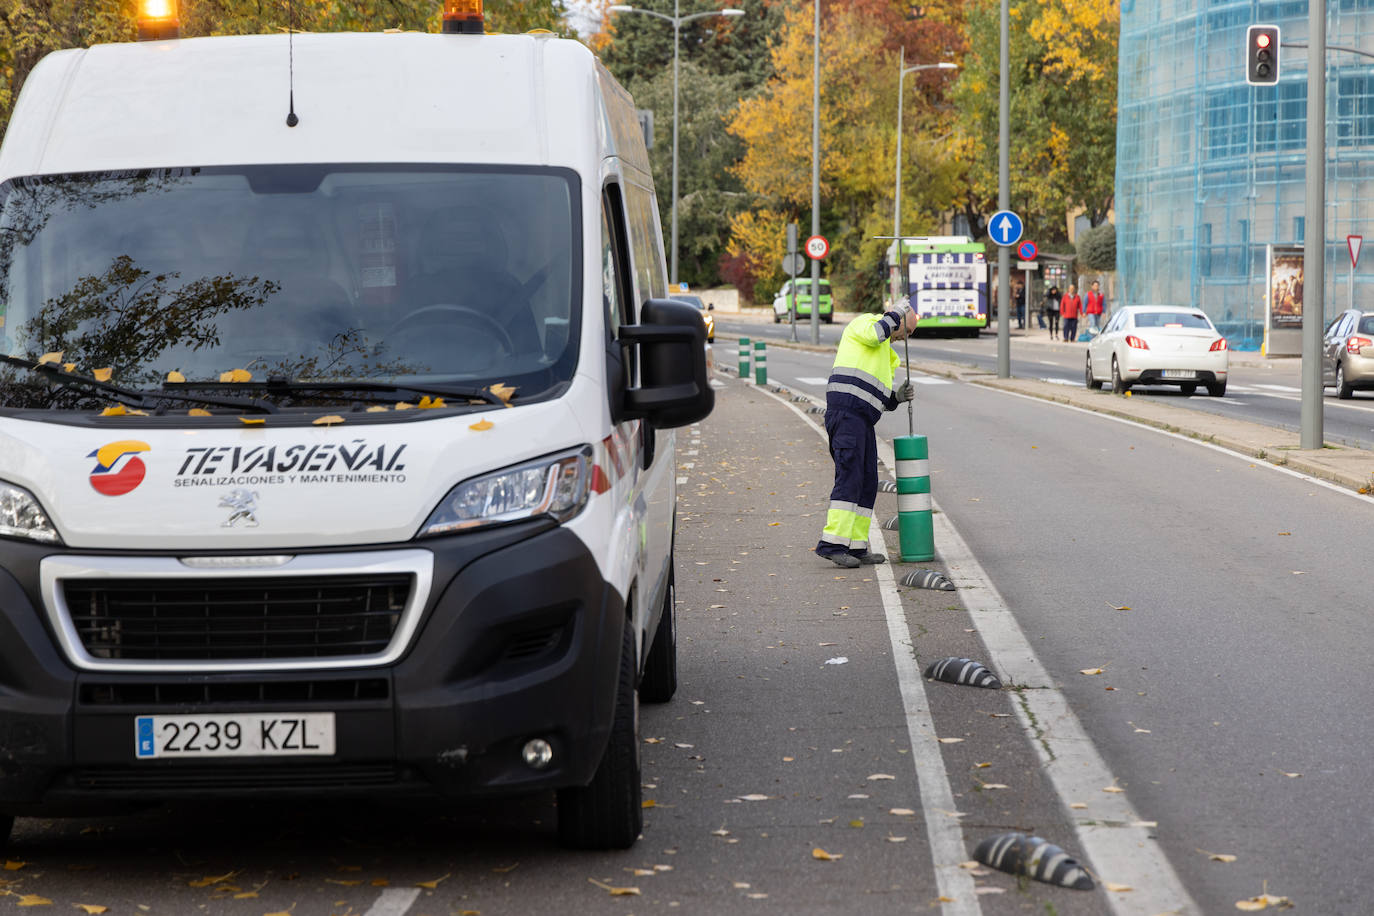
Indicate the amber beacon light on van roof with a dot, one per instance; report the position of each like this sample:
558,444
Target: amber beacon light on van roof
157,20
463,17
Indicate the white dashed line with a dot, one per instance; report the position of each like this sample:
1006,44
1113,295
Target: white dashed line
395,901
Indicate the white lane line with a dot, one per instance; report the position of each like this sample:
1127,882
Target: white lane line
1287,389
812,380
395,901
1112,836
930,380
943,831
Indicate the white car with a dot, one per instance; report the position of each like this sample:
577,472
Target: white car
1158,345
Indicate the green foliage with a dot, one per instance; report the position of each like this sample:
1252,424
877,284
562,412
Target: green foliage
1097,248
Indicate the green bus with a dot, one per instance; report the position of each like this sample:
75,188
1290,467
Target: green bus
946,277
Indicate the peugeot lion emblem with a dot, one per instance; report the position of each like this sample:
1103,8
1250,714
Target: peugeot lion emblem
242,506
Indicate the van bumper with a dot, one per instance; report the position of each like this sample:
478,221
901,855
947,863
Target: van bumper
520,640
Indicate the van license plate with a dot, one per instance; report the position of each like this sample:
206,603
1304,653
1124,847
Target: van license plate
234,735
1179,373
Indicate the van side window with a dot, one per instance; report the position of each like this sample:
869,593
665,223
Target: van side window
647,242
617,293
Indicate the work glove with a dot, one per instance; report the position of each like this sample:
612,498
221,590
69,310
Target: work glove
905,392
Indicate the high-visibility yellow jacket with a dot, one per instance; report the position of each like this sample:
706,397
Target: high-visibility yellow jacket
865,363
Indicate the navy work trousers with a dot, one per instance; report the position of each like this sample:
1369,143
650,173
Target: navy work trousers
854,449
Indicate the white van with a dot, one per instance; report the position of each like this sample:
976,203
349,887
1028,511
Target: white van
335,455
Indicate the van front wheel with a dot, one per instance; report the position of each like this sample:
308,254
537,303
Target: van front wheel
660,665
607,814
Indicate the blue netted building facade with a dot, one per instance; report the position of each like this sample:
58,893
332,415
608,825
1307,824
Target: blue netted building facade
1210,170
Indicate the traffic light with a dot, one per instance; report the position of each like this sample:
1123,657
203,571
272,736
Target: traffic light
1262,55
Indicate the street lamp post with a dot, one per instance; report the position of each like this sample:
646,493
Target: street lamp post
896,266
677,21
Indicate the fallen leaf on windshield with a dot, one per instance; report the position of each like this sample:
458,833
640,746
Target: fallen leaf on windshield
119,410
377,408
329,420
432,884
482,425
616,891
69,367
102,375
427,402
402,405
236,375
502,391
47,358
252,421
823,856
198,412
33,900
175,376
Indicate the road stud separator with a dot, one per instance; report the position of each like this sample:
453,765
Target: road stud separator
760,362
744,350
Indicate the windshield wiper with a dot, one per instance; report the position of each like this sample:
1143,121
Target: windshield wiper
132,397
278,385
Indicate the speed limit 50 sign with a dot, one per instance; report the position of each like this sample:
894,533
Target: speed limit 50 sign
817,247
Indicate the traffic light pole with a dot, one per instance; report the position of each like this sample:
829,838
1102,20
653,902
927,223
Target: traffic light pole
1314,234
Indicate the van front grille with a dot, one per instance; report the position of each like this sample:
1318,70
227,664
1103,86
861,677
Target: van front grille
335,616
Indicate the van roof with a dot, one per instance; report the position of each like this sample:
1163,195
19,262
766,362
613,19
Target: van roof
383,97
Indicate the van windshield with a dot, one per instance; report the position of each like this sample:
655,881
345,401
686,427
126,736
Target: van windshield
423,275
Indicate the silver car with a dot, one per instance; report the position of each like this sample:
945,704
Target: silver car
1348,352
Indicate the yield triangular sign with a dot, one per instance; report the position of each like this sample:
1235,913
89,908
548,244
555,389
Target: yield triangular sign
1354,242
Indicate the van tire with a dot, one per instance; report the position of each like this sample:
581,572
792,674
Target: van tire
607,814
660,665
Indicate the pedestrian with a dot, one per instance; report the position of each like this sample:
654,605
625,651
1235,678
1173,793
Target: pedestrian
1052,297
1019,295
1040,314
859,390
1092,307
1069,307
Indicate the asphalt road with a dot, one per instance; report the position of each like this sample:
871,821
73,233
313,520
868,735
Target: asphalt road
806,767
1267,391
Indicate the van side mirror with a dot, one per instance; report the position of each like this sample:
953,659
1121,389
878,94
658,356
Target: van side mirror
673,388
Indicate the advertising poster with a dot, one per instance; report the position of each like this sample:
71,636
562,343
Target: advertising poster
1283,301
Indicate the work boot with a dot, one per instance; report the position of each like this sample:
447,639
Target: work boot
872,559
842,559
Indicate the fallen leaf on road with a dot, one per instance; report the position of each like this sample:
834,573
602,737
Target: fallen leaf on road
1077,806
901,812
11,865
1292,775
754,797
1089,670
432,884
1218,856
874,777
1113,789
721,832
209,880
94,909
824,856
983,891
950,740
33,900
1117,888
1118,607
616,891
981,766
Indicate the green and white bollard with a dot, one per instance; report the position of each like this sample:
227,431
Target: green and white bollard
760,363
744,357
914,524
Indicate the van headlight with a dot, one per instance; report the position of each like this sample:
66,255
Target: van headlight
22,517
555,486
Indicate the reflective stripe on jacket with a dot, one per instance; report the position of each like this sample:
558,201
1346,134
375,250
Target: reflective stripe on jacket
865,363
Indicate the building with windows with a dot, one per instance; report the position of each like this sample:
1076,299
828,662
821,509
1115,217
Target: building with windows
1211,170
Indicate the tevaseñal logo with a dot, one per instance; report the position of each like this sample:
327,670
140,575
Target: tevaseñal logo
118,469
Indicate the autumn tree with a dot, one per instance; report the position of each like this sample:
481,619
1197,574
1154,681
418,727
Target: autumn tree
859,84
1062,87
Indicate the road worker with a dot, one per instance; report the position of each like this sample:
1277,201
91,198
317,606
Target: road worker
859,390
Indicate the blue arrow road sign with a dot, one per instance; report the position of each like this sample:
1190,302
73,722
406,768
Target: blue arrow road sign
1005,228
